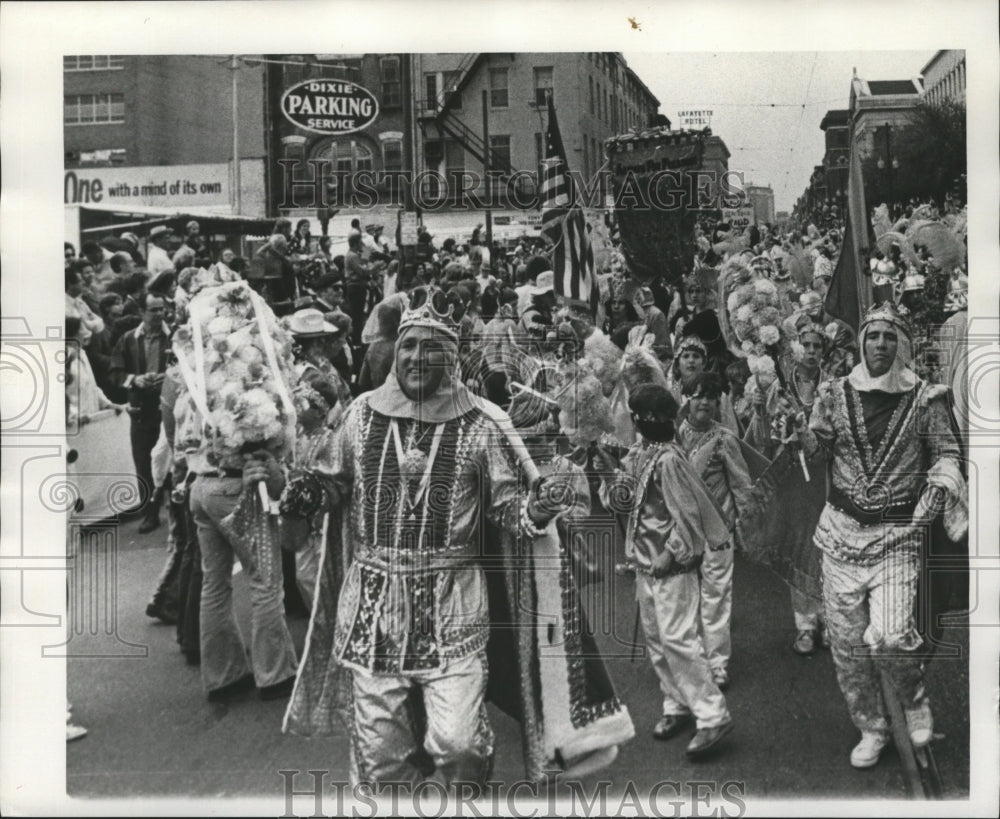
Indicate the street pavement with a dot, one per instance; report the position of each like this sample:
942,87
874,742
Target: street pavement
152,731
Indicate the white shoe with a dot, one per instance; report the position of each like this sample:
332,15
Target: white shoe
867,752
920,724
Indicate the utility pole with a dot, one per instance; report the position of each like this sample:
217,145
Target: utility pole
237,187
486,165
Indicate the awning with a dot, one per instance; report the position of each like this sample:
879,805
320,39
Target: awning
103,219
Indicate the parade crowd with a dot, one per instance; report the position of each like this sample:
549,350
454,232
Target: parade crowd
359,430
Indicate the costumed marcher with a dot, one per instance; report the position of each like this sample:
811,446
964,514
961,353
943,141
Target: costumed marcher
316,341
422,479
690,359
671,521
715,454
894,458
789,538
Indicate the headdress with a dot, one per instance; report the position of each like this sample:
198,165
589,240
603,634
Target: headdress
691,343
894,314
429,308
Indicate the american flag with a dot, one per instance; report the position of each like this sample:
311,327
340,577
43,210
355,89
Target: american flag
564,225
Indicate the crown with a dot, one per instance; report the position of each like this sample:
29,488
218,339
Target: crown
888,311
429,307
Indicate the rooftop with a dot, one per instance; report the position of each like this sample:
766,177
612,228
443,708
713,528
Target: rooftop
835,118
885,88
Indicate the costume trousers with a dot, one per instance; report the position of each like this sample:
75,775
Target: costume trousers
717,604
458,737
808,611
223,656
669,610
870,622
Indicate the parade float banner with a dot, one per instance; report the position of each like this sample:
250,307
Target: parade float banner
657,179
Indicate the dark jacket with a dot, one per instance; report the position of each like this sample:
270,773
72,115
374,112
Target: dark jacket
129,360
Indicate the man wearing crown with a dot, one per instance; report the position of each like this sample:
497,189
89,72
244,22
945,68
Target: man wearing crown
441,518
894,464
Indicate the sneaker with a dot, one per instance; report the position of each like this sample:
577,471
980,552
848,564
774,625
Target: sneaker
720,677
867,752
805,643
670,725
920,724
707,739
75,732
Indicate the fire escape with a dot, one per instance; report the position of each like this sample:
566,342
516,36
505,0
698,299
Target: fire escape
439,121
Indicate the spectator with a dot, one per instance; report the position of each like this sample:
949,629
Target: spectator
122,264
381,352
100,258
301,243
138,363
130,244
69,252
158,259
283,227
357,275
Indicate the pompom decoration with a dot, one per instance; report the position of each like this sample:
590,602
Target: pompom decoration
584,411
769,335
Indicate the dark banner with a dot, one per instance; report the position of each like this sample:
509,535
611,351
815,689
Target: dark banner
658,182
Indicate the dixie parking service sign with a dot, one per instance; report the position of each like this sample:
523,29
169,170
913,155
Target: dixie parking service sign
329,106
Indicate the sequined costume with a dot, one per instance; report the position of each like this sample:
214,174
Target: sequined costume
429,501
889,439
668,508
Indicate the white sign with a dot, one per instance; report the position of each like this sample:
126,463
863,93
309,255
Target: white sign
153,186
738,218
694,120
409,228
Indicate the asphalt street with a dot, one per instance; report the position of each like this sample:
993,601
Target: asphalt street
152,731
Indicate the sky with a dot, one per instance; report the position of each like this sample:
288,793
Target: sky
767,106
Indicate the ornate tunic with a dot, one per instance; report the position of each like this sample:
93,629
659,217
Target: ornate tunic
876,479
415,593
667,505
715,455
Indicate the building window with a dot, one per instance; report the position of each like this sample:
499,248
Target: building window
543,85
392,155
452,98
93,109
590,82
346,156
499,90
430,89
102,158
500,153
96,62
392,94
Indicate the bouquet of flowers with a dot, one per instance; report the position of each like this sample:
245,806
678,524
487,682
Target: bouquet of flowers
755,319
604,360
235,357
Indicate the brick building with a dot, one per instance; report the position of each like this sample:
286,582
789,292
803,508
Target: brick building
129,119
